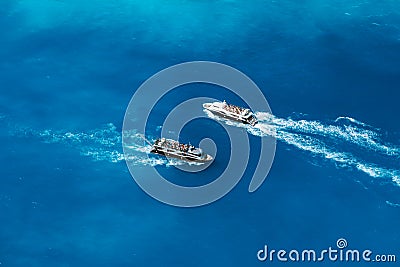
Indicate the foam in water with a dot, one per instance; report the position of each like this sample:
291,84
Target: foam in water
352,120
396,179
395,205
307,136
355,135
104,144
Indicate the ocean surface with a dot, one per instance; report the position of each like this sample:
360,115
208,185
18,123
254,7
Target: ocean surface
329,70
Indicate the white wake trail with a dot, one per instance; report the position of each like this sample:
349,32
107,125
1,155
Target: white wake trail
362,137
306,136
102,144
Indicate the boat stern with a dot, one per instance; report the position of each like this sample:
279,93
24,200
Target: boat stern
253,121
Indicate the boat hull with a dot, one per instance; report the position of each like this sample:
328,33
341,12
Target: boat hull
181,157
229,117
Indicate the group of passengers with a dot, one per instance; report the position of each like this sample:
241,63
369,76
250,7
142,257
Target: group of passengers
234,109
185,147
181,147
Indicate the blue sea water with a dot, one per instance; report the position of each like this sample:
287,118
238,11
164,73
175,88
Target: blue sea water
329,69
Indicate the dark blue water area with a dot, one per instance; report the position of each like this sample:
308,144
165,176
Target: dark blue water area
72,67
